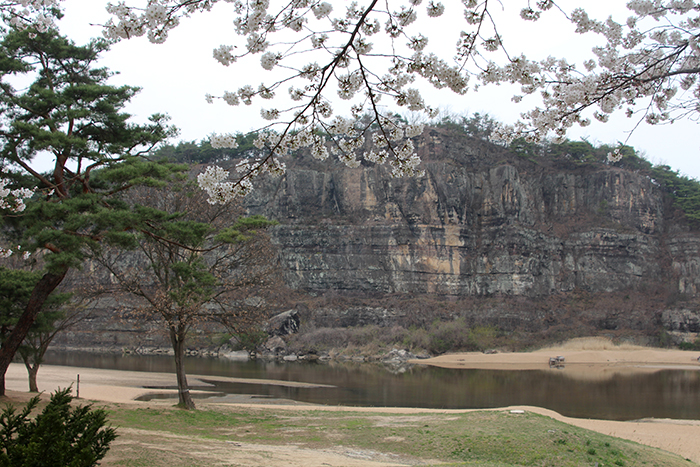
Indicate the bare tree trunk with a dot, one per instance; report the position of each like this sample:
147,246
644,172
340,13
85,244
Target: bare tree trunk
42,290
32,371
32,362
177,338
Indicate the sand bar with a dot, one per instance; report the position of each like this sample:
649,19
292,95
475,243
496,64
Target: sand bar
580,363
121,386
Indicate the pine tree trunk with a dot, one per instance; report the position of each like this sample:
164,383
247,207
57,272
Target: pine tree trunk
43,288
32,371
177,338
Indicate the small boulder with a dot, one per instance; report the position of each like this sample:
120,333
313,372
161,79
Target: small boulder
397,355
234,355
284,323
276,345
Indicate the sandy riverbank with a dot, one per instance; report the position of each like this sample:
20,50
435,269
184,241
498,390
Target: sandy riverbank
678,436
582,358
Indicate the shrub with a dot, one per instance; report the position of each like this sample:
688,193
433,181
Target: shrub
251,340
690,345
60,436
314,340
450,335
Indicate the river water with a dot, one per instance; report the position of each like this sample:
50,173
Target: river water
661,394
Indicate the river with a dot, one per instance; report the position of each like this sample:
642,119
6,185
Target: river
661,394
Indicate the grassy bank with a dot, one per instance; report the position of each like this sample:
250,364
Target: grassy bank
239,436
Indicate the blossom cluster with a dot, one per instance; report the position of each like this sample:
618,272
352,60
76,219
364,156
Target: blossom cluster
13,200
647,67
155,20
220,191
614,156
7,252
651,59
342,38
34,14
345,138
223,141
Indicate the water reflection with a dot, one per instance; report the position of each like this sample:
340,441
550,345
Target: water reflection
662,394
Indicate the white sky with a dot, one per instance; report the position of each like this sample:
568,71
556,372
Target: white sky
176,75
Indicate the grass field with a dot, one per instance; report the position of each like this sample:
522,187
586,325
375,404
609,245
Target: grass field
239,436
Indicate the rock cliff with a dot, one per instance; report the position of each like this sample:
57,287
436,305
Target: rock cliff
520,239
480,222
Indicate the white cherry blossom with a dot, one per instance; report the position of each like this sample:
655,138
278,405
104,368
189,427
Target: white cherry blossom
645,67
12,201
222,141
34,14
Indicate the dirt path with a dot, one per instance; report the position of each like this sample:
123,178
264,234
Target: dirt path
216,452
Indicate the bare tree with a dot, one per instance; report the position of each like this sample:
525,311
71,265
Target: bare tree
47,325
196,263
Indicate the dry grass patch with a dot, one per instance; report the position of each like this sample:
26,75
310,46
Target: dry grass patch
593,343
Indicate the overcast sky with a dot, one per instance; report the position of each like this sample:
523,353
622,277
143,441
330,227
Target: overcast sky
175,76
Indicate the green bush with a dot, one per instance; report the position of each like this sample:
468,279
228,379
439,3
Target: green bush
452,335
690,345
60,436
685,191
251,340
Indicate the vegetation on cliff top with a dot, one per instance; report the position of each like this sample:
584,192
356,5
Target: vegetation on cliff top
683,190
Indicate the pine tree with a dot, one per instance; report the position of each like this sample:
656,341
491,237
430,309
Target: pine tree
61,435
71,113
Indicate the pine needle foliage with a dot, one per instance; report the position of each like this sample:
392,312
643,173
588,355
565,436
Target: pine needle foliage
60,436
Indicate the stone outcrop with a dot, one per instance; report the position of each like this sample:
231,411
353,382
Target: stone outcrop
682,320
284,323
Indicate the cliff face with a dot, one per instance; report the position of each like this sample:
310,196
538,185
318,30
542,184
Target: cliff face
519,244
478,223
